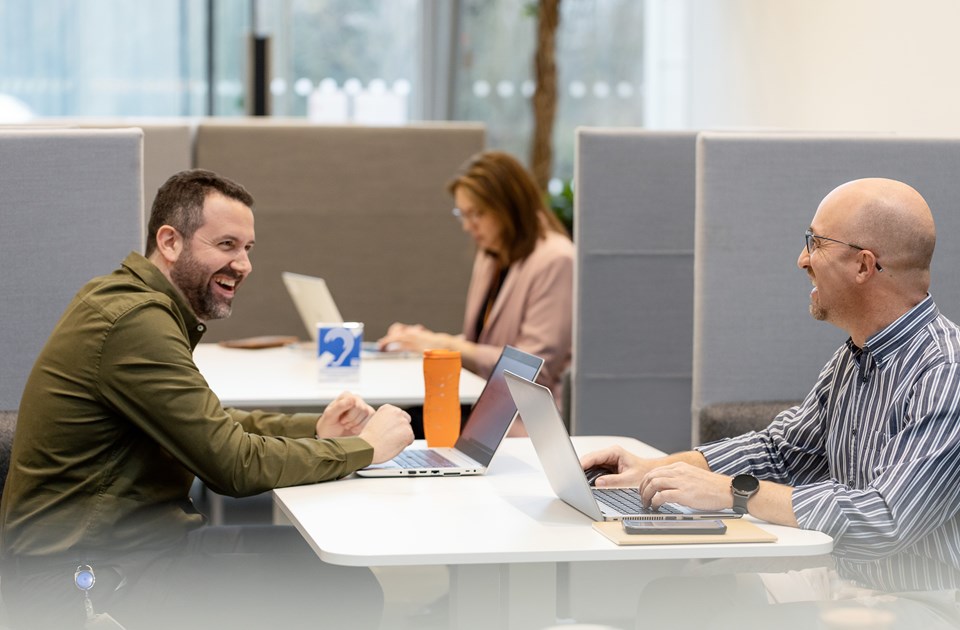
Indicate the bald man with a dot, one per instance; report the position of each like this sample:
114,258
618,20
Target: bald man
872,455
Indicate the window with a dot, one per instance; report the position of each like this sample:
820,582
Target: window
368,61
599,66
103,57
358,55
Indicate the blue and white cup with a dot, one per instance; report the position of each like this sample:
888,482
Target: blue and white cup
338,345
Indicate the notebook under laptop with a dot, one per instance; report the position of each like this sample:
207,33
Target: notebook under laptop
562,466
313,301
482,434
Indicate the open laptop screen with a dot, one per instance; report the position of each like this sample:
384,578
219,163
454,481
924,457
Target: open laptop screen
313,301
494,410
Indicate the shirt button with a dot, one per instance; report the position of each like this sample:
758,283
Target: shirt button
200,328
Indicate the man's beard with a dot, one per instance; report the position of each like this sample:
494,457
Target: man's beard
817,310
194,282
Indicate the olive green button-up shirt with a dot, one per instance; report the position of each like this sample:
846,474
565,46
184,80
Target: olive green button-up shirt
116,421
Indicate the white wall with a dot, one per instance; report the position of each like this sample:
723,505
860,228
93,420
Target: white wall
853,65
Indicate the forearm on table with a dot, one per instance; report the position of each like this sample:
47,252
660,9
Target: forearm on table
473,356
773,503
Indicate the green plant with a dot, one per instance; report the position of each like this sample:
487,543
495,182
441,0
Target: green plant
562,204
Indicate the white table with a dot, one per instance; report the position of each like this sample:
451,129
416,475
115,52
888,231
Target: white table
503,533
291,377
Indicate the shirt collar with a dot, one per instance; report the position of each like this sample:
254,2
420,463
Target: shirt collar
885,343
151,276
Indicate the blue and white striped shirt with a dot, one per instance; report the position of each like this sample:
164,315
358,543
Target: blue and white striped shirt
873,453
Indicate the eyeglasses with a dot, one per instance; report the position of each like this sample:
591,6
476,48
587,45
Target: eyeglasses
467,215
811,241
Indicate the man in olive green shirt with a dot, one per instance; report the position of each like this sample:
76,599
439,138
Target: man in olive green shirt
116,421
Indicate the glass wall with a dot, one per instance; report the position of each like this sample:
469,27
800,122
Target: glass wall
340,55
227,50
599,66
103,57
330,60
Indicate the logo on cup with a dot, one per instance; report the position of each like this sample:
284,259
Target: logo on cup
338,345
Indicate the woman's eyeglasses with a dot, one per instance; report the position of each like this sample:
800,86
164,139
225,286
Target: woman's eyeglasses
467,215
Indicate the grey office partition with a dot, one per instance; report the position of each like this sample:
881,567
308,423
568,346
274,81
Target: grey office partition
167,149
754,339
167,145
633,312
70,204
366,208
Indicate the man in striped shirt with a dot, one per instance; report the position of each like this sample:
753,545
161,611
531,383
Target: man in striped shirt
872,455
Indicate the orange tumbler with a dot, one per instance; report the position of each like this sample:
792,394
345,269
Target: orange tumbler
441,400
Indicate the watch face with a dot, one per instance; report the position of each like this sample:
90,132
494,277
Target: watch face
745,484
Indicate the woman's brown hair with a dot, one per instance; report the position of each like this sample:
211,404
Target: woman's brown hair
505,188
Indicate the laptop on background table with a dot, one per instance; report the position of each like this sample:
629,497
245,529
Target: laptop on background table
562,465
313,301
315,304
485,428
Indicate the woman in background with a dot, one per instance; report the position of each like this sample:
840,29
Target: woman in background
521,288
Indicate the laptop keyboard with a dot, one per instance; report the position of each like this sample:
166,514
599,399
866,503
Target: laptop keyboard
627,501
420,458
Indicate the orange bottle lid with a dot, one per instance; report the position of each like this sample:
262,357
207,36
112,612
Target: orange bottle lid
441,354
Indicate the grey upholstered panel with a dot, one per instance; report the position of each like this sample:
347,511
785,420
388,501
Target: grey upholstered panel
167,145
754,339
650,407
642,320
365,208
633,312
69,210
167,149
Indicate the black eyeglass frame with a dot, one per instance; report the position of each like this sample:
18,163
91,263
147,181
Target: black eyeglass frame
808,237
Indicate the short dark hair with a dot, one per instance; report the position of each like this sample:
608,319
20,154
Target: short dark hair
505,188
179,202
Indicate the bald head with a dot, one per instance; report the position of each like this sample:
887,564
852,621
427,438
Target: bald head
892,220
868,255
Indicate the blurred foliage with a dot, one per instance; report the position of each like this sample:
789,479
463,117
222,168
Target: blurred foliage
562,204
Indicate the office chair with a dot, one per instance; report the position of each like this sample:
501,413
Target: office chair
8,423
722,420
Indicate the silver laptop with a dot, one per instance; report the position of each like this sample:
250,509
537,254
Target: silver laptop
313,301
482,434
315,304
562,466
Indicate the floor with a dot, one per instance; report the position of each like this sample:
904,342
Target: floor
415,598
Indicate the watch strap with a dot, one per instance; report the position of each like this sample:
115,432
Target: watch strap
740,502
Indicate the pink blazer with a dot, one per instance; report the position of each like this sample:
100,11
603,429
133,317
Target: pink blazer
533,311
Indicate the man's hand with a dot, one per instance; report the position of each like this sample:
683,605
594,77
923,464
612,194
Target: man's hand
693,485
626,468
343,417
388,432
688,485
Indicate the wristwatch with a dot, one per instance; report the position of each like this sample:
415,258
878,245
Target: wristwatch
743,487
